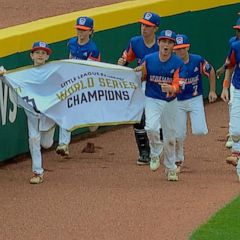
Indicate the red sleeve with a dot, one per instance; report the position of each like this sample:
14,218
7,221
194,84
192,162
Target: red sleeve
176,79
205,68
98,59
129,55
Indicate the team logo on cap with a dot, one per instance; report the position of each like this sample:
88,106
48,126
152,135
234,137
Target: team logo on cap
82,21
168,33
42,44
148,16
179,40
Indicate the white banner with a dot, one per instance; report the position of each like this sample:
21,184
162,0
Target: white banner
76,93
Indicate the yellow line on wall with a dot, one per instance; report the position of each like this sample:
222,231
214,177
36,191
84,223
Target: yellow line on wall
54,29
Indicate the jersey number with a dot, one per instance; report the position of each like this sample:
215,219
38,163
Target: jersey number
195,90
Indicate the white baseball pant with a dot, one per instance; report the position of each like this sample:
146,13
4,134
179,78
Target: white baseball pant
235,119
195,108
37,139
64,136
230,104
161,114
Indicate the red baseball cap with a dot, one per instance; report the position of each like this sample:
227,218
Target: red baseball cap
41,46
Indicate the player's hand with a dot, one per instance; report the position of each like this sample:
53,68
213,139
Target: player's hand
225,95
167,88
219,72
212,96
2,71
121,61
138,68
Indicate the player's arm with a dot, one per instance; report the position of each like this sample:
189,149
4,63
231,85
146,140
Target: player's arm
222,69
226,84
70,49
143,69
123,60
228,74
94,56
172,89
127,56
179,75
212,96
208,70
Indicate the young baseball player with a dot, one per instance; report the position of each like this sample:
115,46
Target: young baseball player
190,99
222,69
162,71
40,128
233,68
84,48
233,39
138,48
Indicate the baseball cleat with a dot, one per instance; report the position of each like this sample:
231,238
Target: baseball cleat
154,163
179,165
144,159
62,150
172,175
233,159
36,178
229,142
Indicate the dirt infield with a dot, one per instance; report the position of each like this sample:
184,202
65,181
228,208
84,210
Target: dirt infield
105,195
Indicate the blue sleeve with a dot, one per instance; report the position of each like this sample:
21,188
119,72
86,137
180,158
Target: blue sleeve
72,46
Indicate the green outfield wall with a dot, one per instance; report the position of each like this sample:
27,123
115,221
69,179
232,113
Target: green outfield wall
208,25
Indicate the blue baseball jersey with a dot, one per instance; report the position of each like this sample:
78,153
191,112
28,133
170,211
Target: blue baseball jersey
232,40
234,61
138,50
157,72
83,52
192,85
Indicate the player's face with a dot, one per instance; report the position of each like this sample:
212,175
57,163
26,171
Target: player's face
182,52
39,57
147,31
83,35
238,33
165,47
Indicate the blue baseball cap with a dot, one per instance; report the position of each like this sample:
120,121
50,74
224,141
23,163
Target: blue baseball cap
237,26
41,46
167,34
84,23
150,19
181,41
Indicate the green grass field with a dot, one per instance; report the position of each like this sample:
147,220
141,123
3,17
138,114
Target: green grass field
224,225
